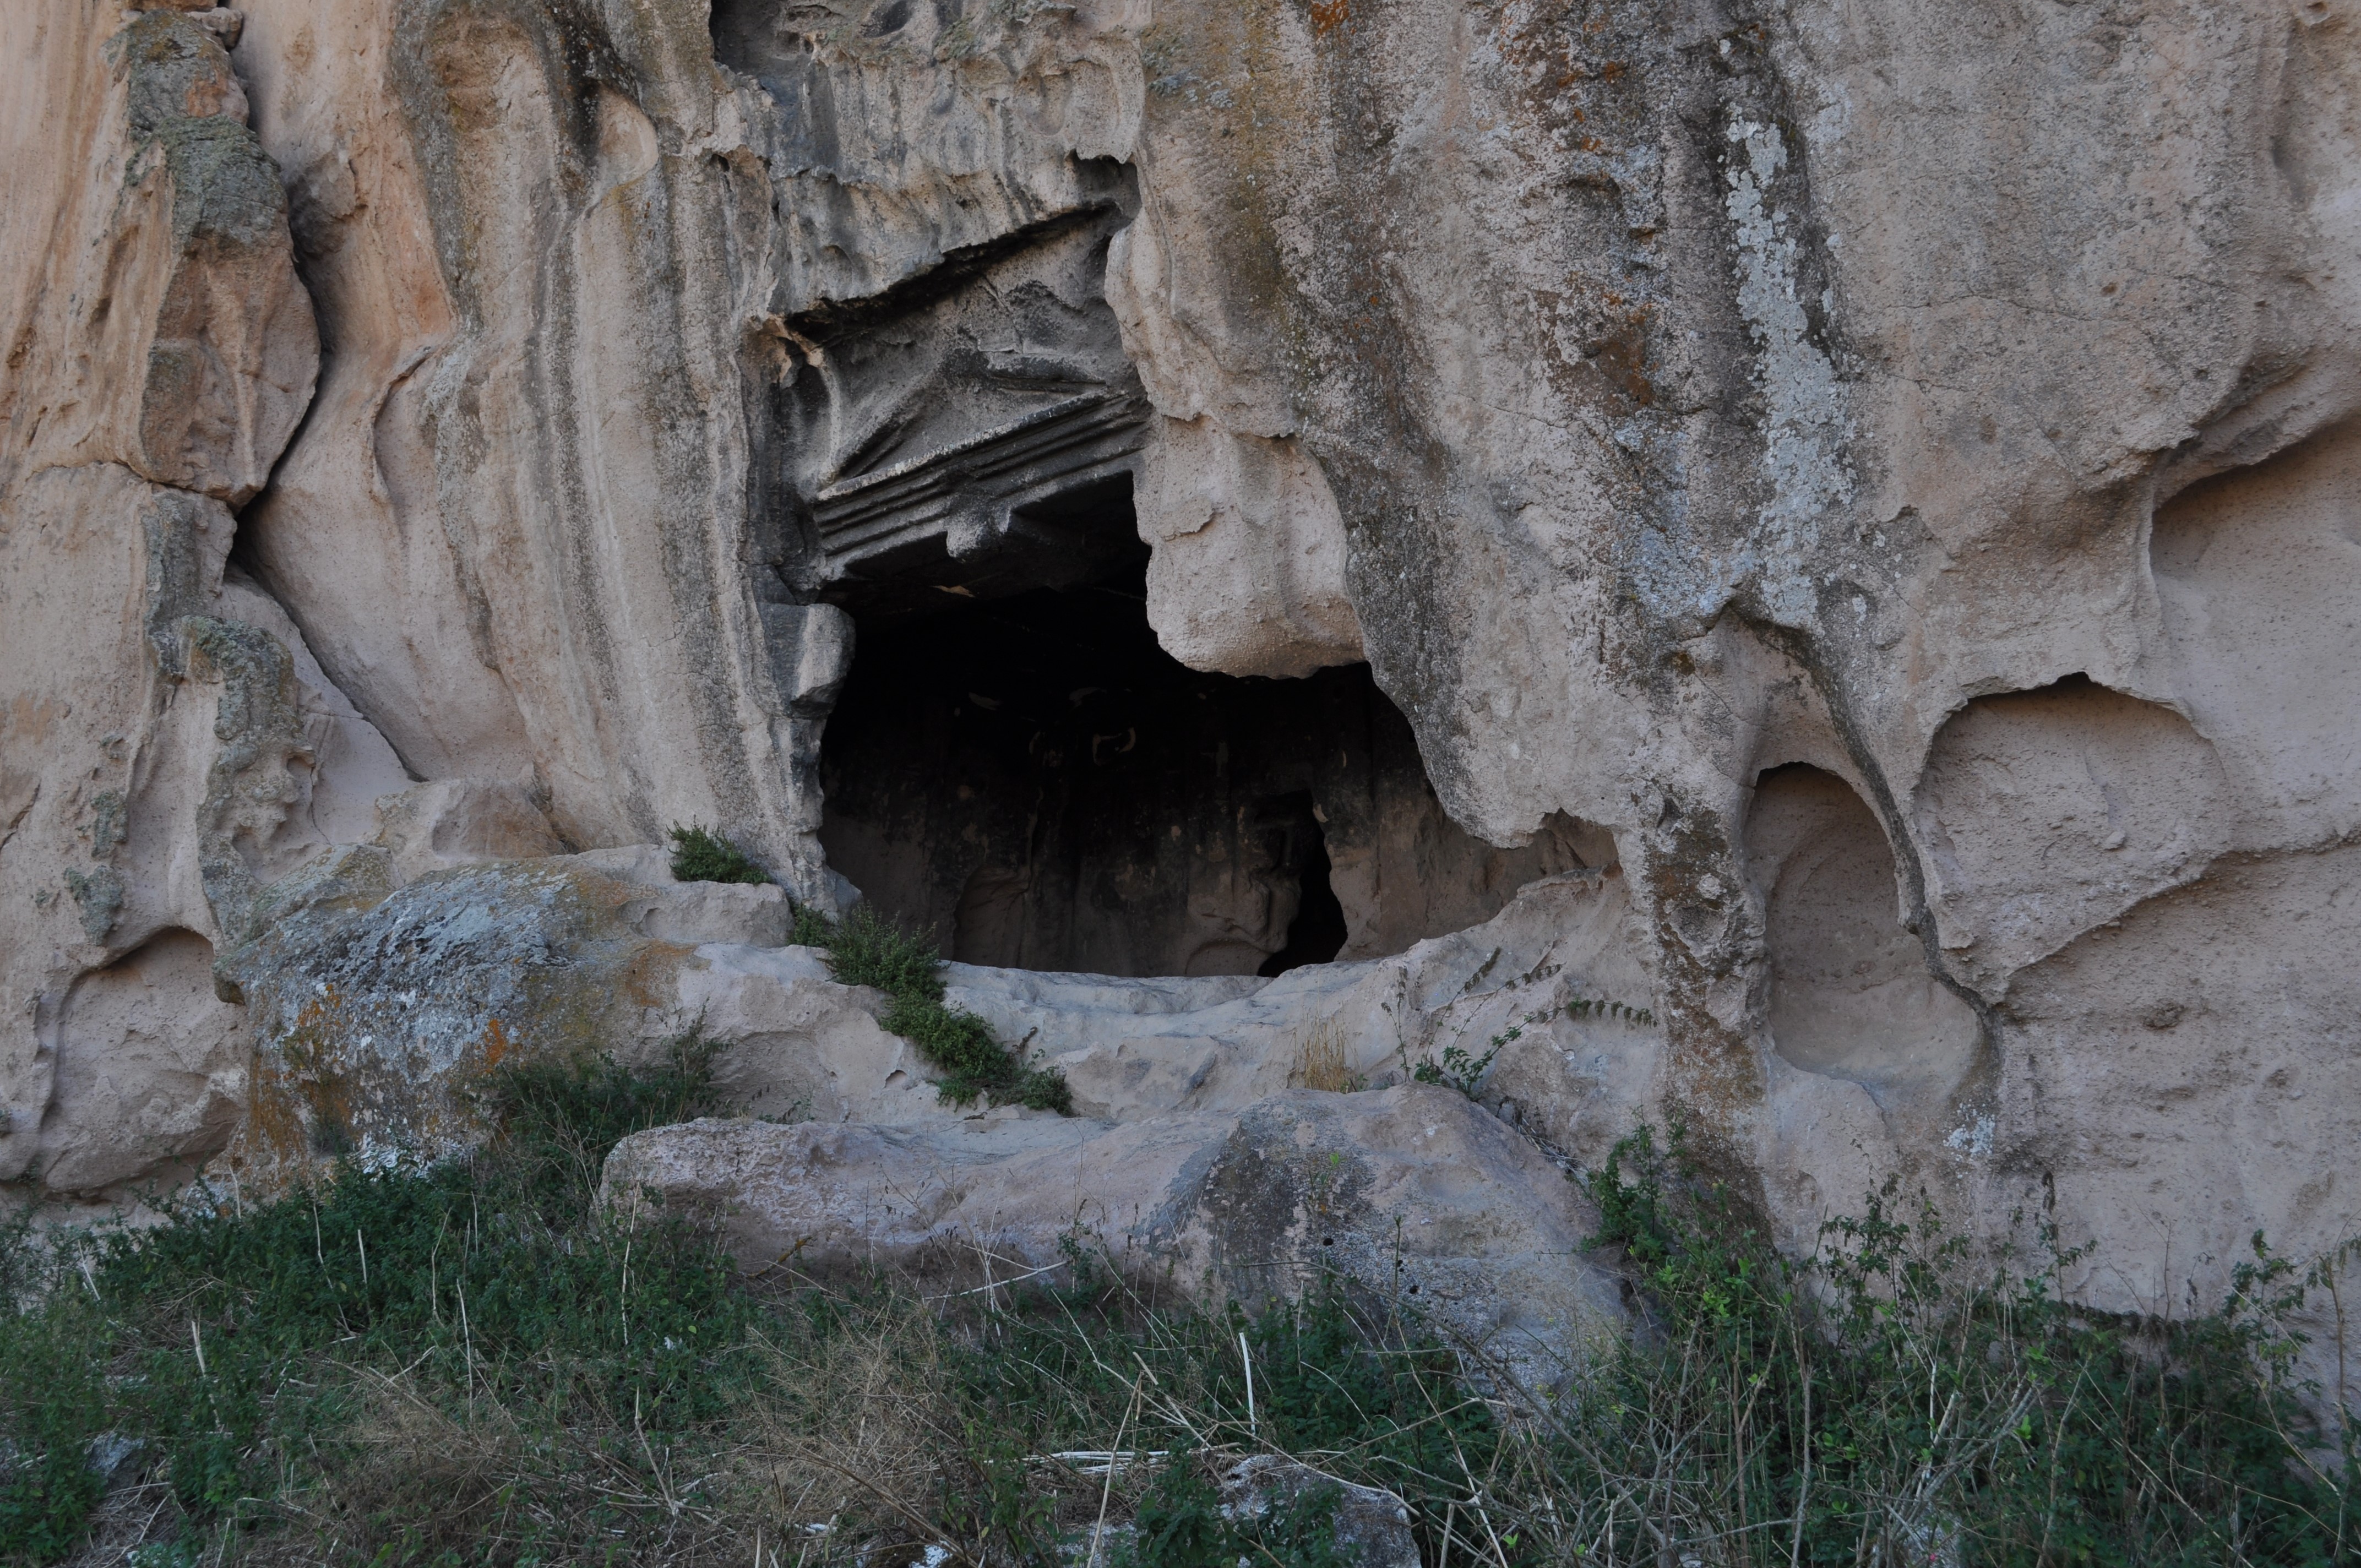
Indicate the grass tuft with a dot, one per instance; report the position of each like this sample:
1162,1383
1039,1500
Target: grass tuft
699,854
867,948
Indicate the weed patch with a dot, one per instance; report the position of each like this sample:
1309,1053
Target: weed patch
469,1366
1880,1402
866,949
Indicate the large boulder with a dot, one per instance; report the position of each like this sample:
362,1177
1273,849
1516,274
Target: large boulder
380,1009
1413,1192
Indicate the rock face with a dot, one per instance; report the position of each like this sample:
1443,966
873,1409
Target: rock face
1868,493
1412,1192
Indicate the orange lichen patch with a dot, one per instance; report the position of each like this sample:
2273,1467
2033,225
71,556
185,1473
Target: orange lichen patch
1328,15
306,1043
1624,360
1612,334
495,1044
652,977
272,1144
301,1105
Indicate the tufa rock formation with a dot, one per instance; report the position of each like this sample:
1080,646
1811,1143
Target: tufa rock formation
1794,566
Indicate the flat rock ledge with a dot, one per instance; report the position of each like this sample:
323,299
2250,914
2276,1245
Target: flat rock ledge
1413,1192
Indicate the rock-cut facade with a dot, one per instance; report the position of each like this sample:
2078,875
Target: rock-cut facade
1787,569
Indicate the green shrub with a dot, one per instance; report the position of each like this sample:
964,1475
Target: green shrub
701,855
866,949
1180,1523
1459,1070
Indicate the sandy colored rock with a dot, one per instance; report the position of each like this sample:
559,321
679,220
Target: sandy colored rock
1874,484
459,822
798,1046
1411,1190
160,741
170,334
149,1076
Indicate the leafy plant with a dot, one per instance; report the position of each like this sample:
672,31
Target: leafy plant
1460,1071
1182,1523
1463,1071
867,948
699,854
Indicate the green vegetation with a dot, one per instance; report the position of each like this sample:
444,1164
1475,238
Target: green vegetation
866,949
472,1366
1463,1071
1882,1402
700,855
1180,1523
1460,1071
373,1338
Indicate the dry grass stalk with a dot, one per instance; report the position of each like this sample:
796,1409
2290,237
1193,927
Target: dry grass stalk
1320,1059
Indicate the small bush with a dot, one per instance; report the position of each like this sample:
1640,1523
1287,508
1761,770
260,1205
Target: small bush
1460,1071
701,855
866,949
1180,1524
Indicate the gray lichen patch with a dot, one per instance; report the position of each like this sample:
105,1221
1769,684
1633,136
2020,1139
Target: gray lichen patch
378,1016
250,783
99,894
184,104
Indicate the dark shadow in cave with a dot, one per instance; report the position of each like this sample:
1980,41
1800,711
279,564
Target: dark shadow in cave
1317,933
1034,782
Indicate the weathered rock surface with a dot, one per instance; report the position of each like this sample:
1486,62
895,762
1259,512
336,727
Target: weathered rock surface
1372,1524
165,745
377,1005
379,1002
1872,486
1411,1190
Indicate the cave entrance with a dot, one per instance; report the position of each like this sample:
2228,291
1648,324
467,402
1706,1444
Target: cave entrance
1024,774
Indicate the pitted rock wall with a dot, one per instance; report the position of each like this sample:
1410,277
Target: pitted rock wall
1890,468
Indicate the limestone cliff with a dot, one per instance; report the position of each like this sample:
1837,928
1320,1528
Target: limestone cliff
1870,493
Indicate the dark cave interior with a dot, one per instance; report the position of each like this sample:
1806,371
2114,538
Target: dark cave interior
1033,781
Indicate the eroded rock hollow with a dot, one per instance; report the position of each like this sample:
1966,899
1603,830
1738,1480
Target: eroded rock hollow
1795,566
